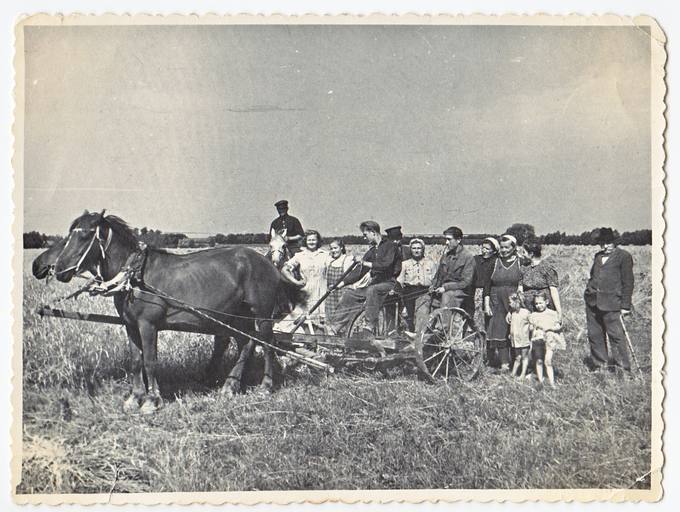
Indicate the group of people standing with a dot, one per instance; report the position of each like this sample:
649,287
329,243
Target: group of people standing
516,289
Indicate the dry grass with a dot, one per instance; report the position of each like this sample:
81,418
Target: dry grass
342,432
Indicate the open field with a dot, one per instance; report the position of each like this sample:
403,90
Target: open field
341,432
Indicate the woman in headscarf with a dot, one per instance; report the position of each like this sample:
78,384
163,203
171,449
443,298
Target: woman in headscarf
505,279
484,263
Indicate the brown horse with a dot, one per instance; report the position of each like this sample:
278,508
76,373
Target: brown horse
239,283
43,264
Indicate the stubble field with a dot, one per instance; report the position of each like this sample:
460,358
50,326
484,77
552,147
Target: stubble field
360,431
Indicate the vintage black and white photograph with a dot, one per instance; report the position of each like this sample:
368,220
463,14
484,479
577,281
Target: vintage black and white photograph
287,259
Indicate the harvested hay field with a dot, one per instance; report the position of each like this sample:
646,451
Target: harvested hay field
359,431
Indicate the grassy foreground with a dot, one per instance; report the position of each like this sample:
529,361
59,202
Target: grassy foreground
342,432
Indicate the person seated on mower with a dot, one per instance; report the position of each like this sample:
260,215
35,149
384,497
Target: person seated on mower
453,283
416,279
380,262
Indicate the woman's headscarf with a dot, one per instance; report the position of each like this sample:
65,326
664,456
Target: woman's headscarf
513,241
511,238
496,246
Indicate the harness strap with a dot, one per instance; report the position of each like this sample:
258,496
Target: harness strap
102,248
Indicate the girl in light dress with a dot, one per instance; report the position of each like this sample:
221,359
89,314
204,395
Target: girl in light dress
546,337
338,263
518,318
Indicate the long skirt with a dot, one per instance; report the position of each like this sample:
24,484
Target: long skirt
498,330
333,274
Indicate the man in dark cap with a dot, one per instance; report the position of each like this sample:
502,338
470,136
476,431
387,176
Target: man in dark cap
380,261
608,298
453,283
288,224
395,234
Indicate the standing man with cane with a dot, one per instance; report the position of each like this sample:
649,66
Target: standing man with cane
608,299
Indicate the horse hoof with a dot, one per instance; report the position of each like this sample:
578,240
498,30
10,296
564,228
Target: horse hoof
131,404
151,405
229,391
268,385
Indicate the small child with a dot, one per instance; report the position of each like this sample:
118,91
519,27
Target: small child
518,318
546,337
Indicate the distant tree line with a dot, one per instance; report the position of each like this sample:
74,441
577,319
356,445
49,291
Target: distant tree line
36,240
156,238
523,232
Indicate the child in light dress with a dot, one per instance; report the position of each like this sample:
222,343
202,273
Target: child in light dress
518,318
546,337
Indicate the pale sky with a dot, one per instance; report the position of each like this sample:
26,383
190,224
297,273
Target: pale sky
202,129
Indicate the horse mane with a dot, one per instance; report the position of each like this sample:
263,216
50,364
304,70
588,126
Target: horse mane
122,229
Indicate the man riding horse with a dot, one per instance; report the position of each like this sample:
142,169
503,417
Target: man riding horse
287,225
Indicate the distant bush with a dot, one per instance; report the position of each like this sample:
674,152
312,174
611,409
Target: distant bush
34,240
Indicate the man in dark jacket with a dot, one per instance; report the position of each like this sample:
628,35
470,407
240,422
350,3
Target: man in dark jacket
287,224
381,261
453,284
397,237
608,298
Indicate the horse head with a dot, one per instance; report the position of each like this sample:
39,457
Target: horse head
97,244
278,249
43,264
85,243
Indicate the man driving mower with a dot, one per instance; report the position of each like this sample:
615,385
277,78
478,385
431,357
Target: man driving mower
382,262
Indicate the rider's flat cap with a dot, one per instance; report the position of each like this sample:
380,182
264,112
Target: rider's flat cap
283,203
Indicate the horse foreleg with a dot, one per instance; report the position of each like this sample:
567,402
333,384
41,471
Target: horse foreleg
149,335
266,334
233,384
134,400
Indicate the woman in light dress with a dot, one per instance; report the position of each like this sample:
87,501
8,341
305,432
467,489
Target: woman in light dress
311,265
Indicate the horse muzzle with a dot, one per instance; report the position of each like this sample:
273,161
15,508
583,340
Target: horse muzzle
41,271
65,275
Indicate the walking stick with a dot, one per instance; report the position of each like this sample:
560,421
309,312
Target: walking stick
303,318
630,345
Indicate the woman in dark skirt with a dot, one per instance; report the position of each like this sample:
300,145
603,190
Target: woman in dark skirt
540,277
504,281
484,263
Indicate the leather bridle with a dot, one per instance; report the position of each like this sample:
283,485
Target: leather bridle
96,237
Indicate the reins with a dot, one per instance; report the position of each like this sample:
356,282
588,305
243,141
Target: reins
131,278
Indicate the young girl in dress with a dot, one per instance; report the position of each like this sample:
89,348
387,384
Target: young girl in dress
546,337
518,318
338,263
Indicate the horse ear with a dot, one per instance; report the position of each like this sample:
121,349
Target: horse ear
272,234
284,233
102,213
86,212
